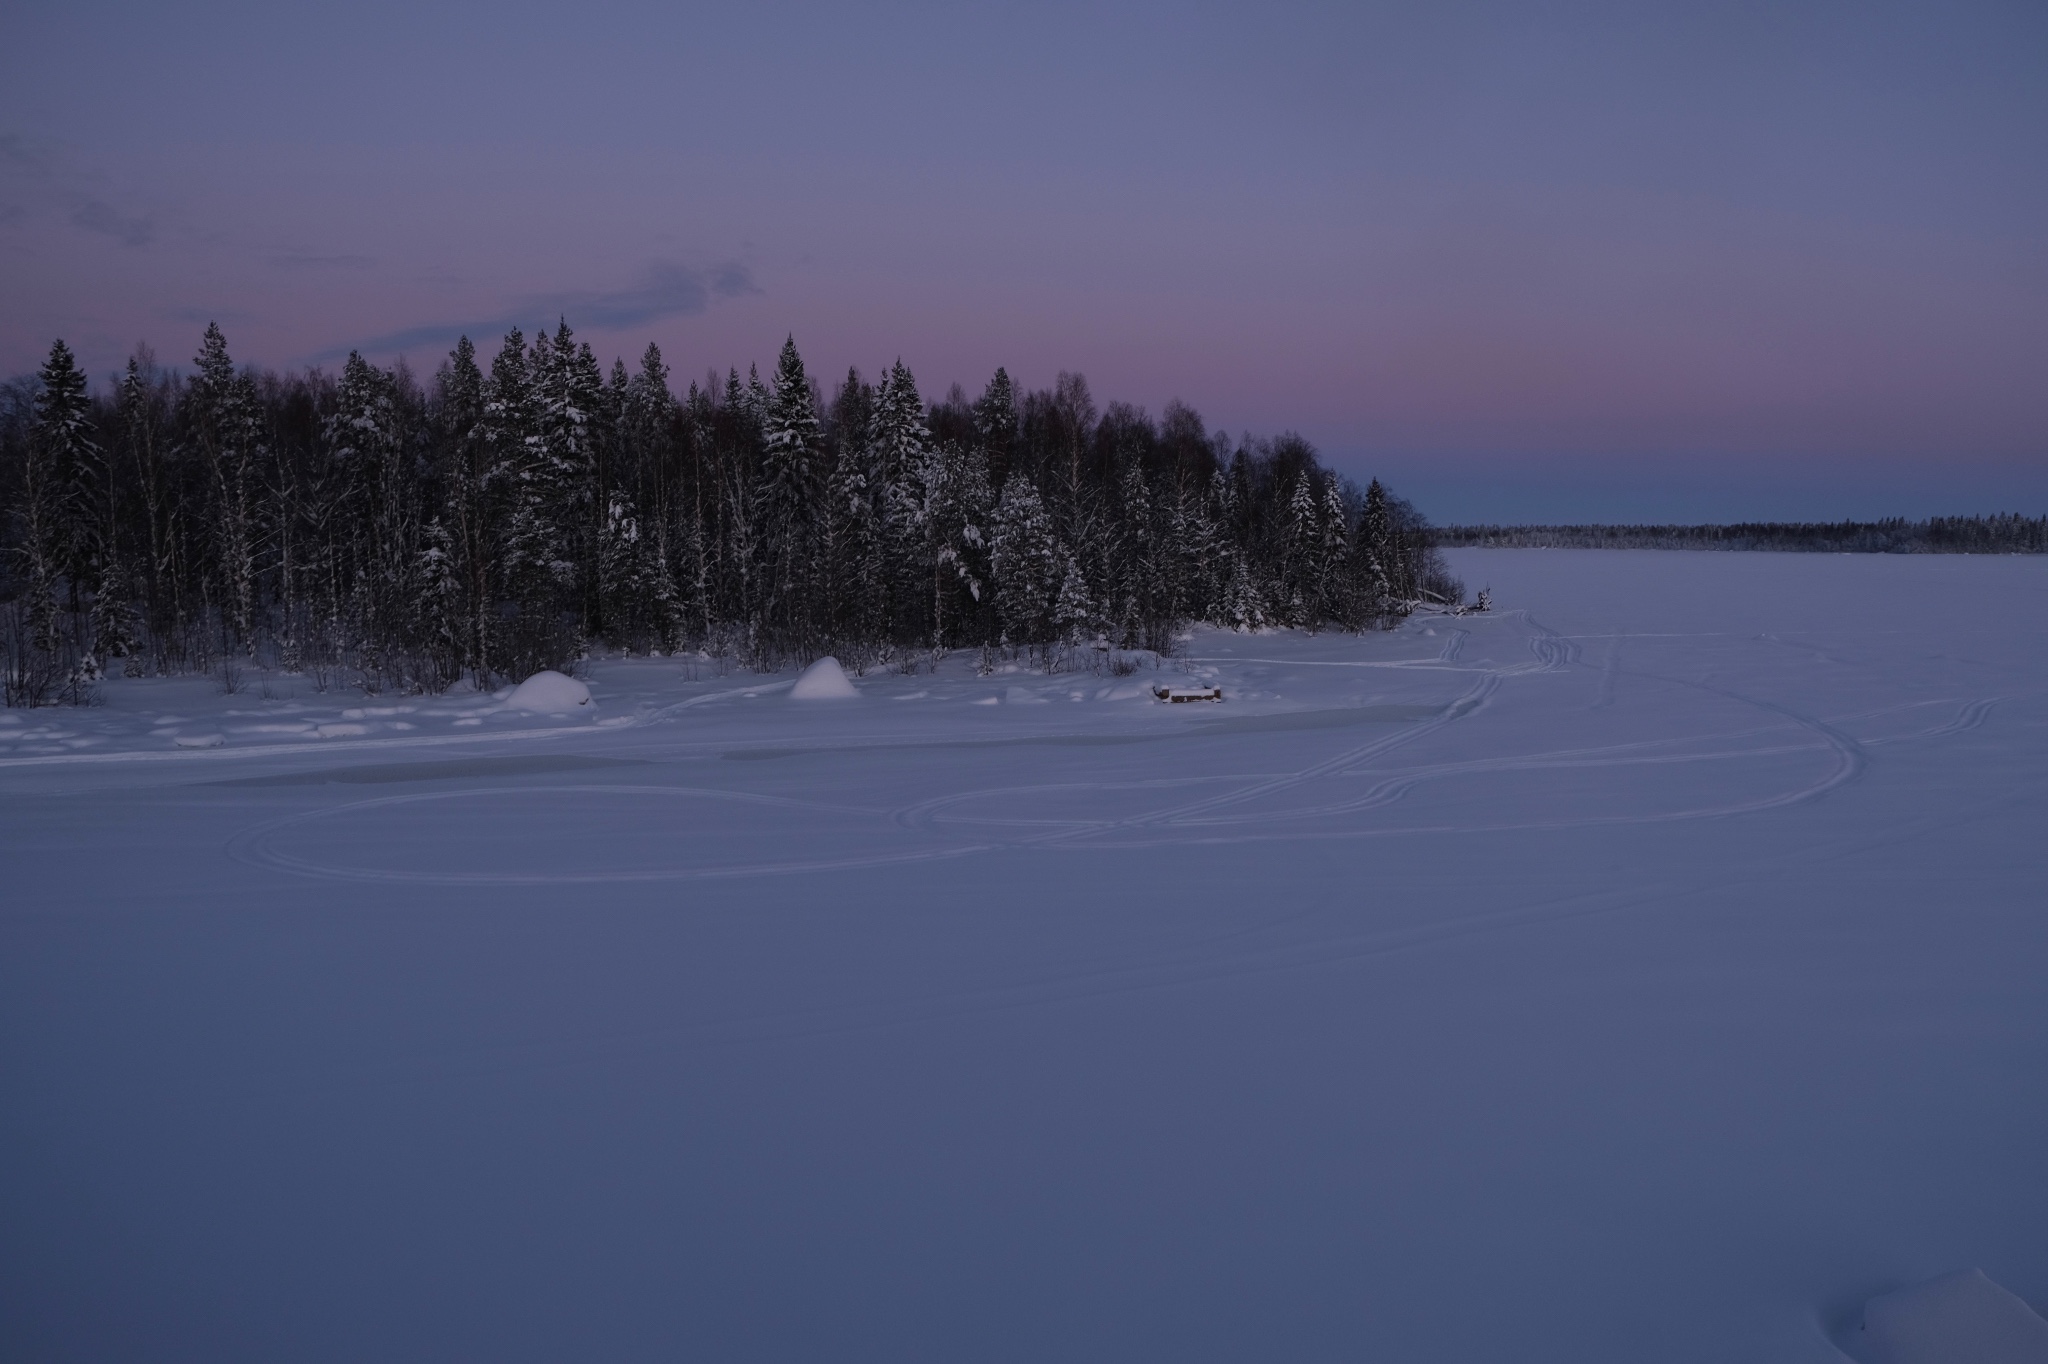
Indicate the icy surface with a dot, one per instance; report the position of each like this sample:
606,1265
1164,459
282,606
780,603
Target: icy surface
824,680
1652,970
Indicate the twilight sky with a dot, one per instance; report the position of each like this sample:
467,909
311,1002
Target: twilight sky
1532,261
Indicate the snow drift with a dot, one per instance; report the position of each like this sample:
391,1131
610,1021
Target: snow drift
1956,1319
824,680
549,693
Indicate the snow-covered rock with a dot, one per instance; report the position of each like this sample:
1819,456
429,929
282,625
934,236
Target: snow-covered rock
824,680
549,693
1955,1319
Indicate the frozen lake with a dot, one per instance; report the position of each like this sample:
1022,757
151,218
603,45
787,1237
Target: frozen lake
1654,969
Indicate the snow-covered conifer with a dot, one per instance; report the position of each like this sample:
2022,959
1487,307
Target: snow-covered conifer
59,539
226,425
790,438
1024,564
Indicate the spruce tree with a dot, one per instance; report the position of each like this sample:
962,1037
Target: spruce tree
364,443
902,457
225,424
141,407
1303,541
440,605
995,425
523,408
1073,612
789,450
55,544
1025,565
1337,598
356,521
623,568
855,589
1377,550
470,523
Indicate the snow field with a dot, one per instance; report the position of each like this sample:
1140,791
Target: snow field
1649,970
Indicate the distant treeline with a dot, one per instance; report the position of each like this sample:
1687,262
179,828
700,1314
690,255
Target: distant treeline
511,511
1937,535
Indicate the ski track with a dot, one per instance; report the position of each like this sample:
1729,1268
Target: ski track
1609,673
1596,1071
1207,820
1210,819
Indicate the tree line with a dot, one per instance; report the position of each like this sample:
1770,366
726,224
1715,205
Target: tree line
2004,534
507,514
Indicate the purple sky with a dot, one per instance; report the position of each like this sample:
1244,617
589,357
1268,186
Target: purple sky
1528,261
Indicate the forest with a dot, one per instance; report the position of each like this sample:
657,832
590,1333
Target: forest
2005,534
512,514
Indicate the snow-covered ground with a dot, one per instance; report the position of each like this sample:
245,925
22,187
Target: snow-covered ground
1656,969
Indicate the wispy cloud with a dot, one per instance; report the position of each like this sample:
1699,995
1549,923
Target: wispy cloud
670,291
20,158
302,260
666,290
204,315
96,216
42,177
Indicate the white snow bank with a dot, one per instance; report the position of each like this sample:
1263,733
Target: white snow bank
1956,1319
824,680
549,693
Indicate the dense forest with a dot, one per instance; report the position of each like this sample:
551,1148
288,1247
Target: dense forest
1938,535
509,514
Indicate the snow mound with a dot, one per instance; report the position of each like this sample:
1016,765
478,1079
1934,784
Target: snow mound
1956,1319
824,680
549,693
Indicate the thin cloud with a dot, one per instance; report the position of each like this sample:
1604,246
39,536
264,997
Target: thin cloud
668,291
41,176
299,260
16,155
202,316
96,216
